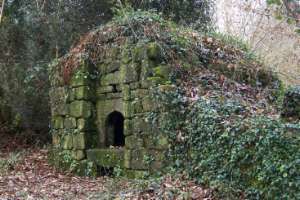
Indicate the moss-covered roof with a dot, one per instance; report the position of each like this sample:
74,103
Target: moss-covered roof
207,62
179,47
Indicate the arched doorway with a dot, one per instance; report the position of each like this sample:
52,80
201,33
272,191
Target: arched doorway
115,129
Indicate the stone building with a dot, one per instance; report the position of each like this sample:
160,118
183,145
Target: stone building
101,114
101,92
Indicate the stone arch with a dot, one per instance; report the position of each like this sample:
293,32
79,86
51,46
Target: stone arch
114,129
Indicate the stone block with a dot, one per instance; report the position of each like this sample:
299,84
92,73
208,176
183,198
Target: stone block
128,127
138,53
133,142
58,101
162,71
79,141
156,142
114,95
78,154
80,79
105,89
71,95
134,85
58,122
70,123
126,92
137,106
128,109
162,142
85,124
140,125
154,51
67,142
111,79
140,93
126,57
81,109
134,159
135,174
148,104
106,157
129,73
56,140
83,93
112,67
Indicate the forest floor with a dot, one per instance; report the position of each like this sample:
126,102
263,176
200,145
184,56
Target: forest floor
26,174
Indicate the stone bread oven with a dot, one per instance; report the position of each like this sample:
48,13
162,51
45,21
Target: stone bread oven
99,114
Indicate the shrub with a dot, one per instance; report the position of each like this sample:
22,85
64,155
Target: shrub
216,144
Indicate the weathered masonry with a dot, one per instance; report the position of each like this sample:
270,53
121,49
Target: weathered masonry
100,115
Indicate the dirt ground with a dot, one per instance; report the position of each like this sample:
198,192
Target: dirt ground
26,174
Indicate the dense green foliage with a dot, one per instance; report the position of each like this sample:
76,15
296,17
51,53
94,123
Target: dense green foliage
291,103
213,142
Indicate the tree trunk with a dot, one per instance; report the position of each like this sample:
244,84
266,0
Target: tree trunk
2,10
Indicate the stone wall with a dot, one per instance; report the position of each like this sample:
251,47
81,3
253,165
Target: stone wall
121,83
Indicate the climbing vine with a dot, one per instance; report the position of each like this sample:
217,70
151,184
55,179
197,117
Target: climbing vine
215,143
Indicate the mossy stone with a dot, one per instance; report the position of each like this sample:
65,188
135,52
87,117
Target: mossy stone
80,109
106,157
58,122
140,93
79,141
129,73
166,88
134,159
133,142
138,53
154,51
83,93
85,124
56,140
137,107
110,79
162,142
67,142
128,109
128,127
148,104
126,56
135,174
80,79
162,71
70,123
126,92
140,125
105,89
59,106
78,154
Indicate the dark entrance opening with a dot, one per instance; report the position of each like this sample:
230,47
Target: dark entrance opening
115,129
